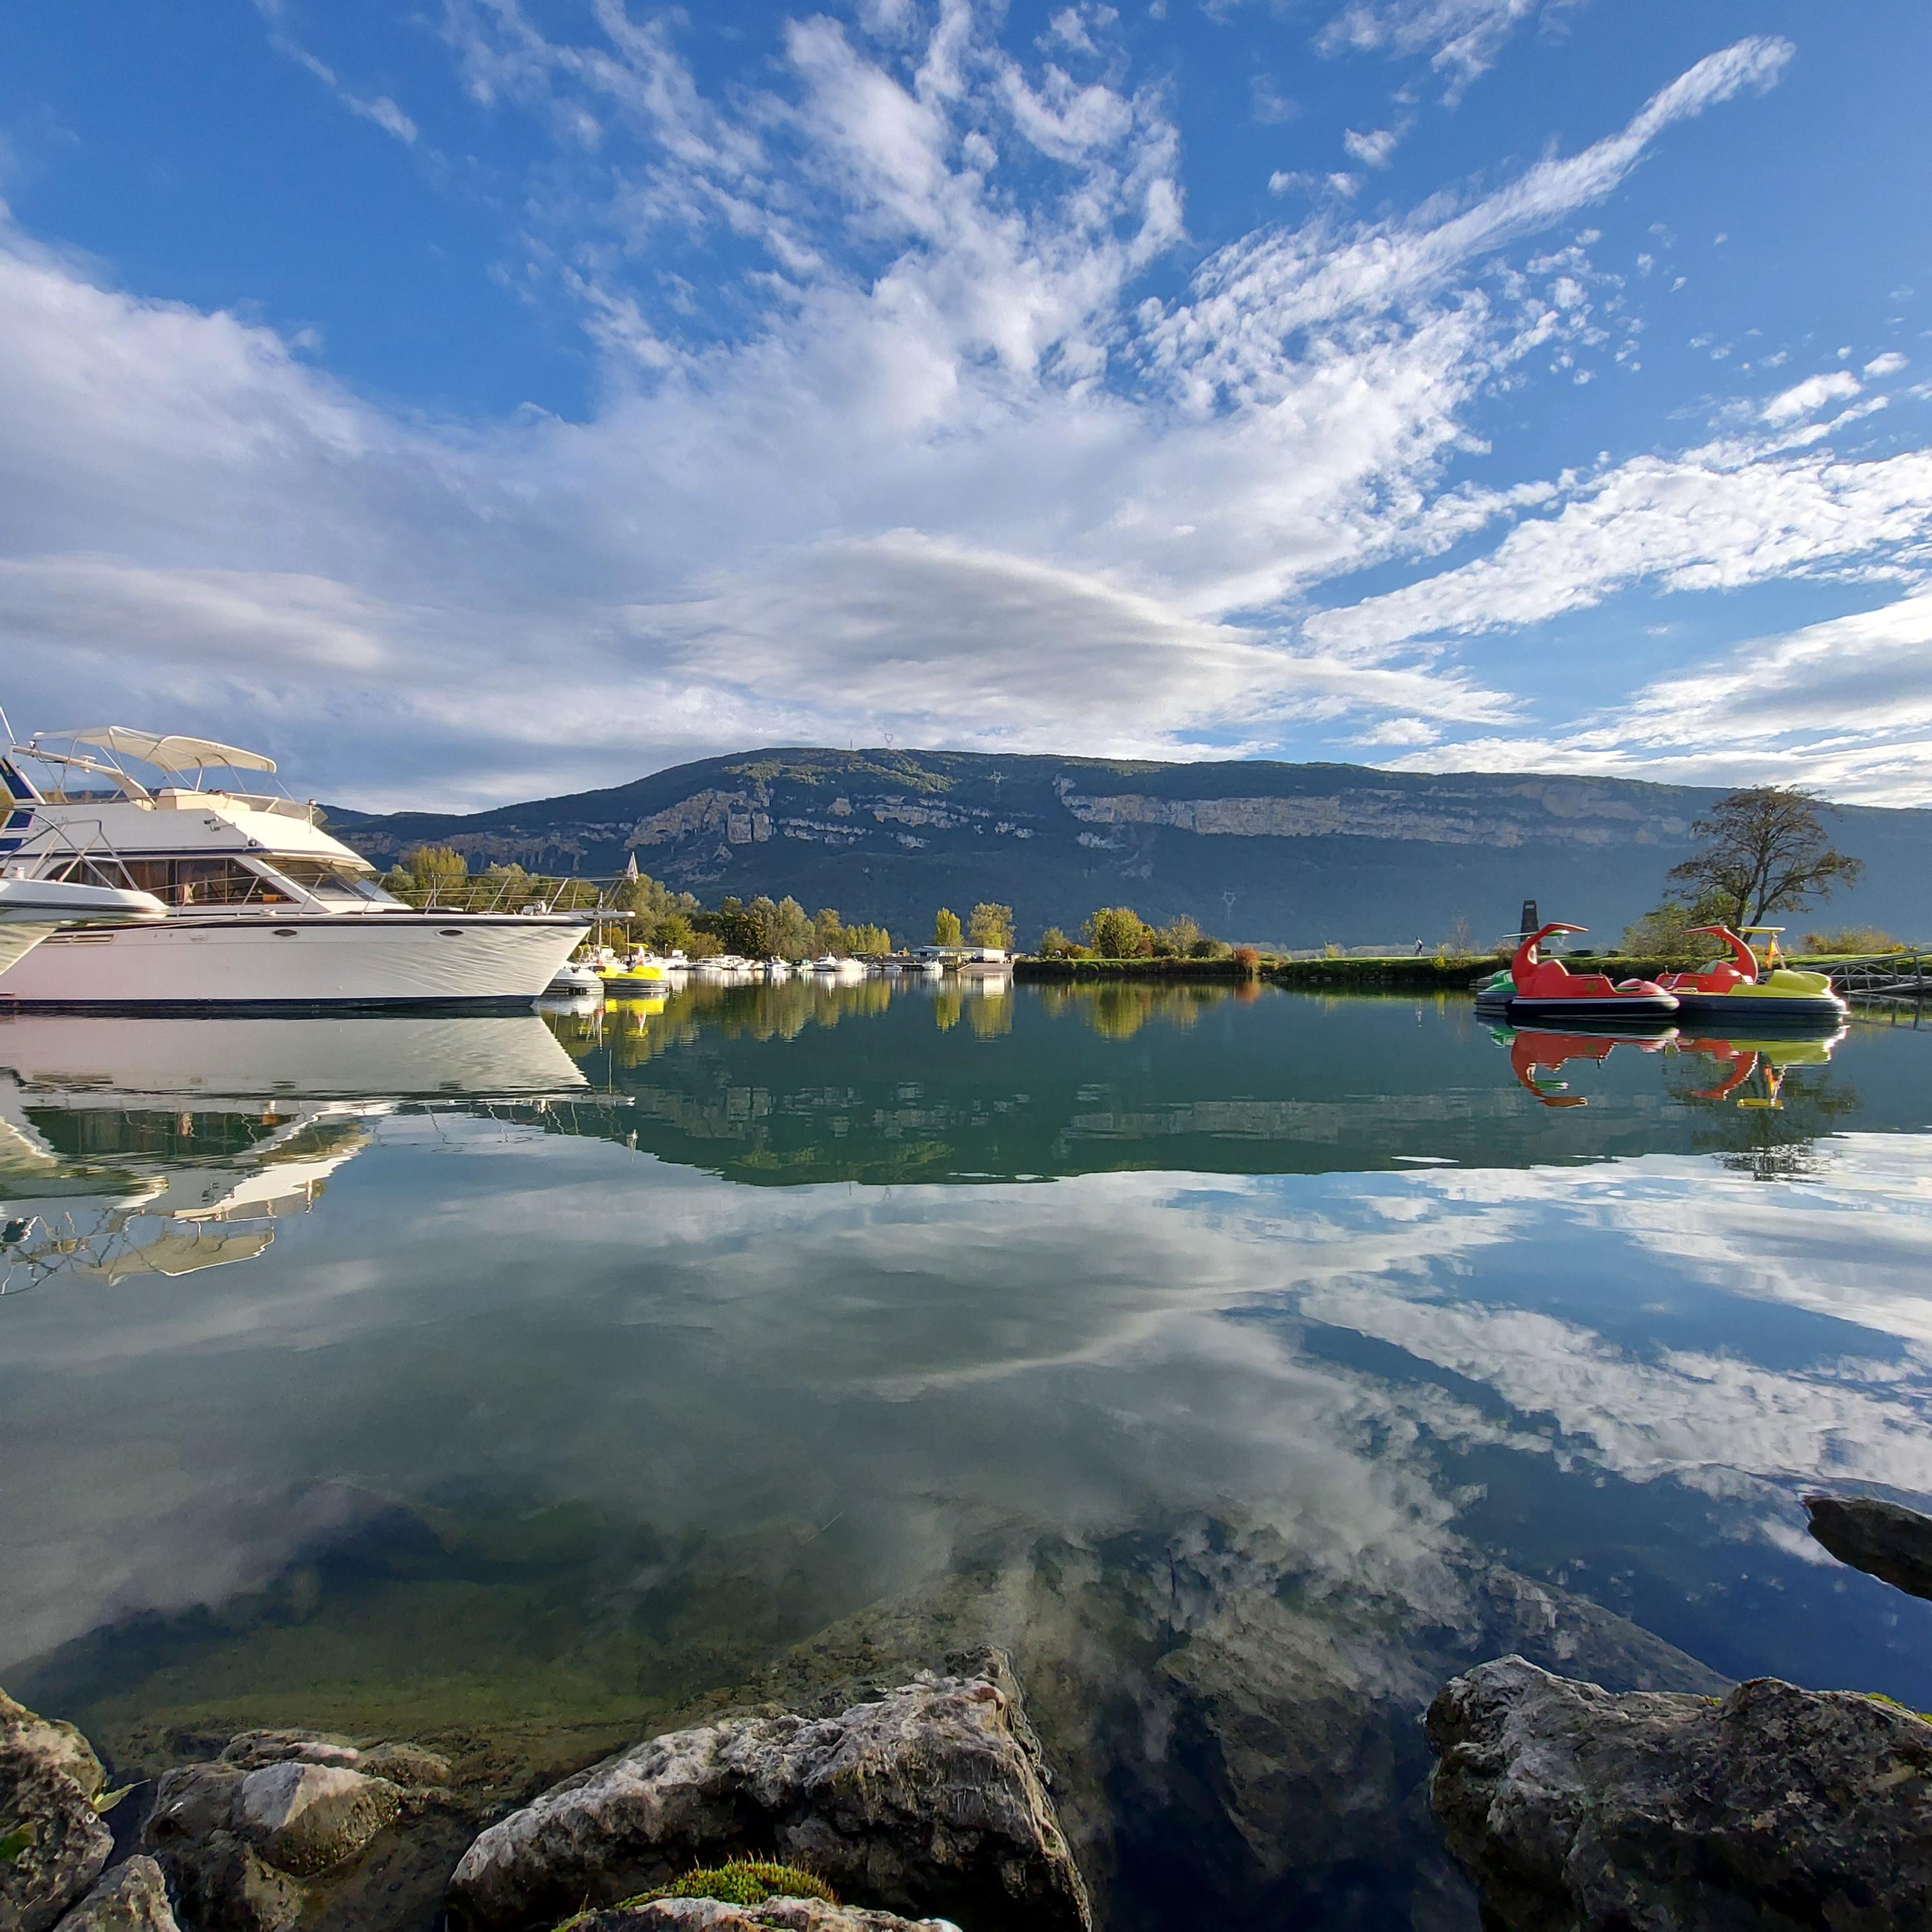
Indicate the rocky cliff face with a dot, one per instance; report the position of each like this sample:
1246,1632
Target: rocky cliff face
1290,854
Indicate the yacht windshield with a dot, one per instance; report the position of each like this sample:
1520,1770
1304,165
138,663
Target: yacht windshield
329,879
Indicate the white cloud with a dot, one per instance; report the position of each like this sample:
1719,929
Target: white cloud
986,465
1462,37
1844,705
1718,517
1375,149
1806,398
378,108
1889,363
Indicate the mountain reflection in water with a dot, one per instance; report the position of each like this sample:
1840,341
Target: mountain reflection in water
1247,1366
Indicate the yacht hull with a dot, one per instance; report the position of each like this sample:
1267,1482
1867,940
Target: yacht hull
252,963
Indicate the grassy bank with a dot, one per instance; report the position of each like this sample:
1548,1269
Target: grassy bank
1402,972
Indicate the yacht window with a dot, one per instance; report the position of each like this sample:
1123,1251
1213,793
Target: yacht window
328,879
179,882
91,872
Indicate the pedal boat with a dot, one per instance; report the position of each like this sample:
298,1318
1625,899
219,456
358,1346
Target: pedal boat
1742,993
639,972
1536,990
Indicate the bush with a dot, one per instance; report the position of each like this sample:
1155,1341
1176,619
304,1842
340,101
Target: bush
1249,961
1853,939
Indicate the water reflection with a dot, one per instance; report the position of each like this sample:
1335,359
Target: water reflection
1330,1359
162,1147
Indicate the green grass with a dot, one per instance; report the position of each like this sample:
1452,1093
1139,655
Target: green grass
742,1881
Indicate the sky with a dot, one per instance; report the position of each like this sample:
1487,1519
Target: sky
468,401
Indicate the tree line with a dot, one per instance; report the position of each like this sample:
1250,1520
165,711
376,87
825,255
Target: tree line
666,920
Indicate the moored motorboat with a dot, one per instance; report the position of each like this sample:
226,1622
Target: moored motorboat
263,909
575,979
1536,990
1745,992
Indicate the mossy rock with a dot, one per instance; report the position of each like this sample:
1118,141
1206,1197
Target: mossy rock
740,1883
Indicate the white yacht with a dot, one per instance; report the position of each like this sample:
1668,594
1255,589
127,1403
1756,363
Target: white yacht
261,907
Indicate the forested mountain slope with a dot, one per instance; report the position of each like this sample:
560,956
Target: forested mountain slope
1288,854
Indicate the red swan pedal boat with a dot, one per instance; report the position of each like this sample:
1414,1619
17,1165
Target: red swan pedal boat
1537,989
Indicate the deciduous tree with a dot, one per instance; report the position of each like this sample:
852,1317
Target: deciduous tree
990,925
1117,932
1765,850
945,928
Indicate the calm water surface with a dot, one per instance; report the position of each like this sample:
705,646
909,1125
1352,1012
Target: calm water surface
1245,1366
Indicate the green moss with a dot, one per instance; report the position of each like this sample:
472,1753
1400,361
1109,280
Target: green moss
743,1881
1879,1697
14,1840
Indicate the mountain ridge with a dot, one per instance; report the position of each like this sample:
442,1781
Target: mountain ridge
1279,853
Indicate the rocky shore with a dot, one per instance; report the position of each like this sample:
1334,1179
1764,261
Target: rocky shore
931,1799
1589,1778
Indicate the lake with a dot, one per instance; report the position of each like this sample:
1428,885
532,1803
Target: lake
1246,1366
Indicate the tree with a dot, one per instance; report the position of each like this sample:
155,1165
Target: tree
792,931
651,900
1054,944
673,933
867,942
1117,932
945,928
1663,934
828,931
1178,939
1764,851
737,927
990,925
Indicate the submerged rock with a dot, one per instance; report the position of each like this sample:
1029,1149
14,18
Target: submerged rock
57,1844
777,1915
1580,1810
304,1818
239,1837
931,1796
132,1898
1884,1540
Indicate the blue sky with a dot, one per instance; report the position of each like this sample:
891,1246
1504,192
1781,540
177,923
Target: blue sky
494,396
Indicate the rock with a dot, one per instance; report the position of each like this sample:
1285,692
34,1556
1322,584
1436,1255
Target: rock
304,1818
779,1914
131,1897
49,1779
253,1750
407,1764
1580,1810
237,1836
932,1796
222,1885
1884,1540
48,1741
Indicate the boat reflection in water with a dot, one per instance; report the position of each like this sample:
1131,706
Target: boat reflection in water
1769,1060
1537,1057
144,1147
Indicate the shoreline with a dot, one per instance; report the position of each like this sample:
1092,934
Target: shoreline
1454,974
